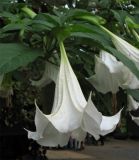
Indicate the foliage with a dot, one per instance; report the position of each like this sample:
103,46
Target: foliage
24,39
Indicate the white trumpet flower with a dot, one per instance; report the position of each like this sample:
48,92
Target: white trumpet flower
71,114
112,74
124,47
132,104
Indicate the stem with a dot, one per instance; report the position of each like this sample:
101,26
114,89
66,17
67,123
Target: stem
106,30
29,12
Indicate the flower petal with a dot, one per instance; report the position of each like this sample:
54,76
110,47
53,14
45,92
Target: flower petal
91,119
112,74
49,75
46,134
130,81
108,73
135,119
109,124
127,49
132,104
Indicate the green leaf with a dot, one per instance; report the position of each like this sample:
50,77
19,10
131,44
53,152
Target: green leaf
81,14
120,16
10,16
11,27
4,4
51,19
130,22
105,3
133,93
14,55
46,24
91,32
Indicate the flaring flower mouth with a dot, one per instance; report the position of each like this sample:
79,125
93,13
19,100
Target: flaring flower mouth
71,114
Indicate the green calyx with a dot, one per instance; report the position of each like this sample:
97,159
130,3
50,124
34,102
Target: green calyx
106,30
64,57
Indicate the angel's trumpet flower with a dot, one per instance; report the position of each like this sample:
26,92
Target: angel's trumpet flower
71,114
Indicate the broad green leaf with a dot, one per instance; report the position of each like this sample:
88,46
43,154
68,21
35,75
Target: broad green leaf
43,22
4,4
11,27
85,31
46,24
51,19
76,12
90,32
120,16
95,37
134,93
81,14
105,3
14,55
10,16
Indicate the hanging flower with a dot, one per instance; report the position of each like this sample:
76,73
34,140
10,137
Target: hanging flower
127,49
71,114
112,74
124,47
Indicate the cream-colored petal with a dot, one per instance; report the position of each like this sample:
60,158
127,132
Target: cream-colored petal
95,123
49,75
70,99
46,134
108,75
130,81
91,119
135,119
132,104
109,124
